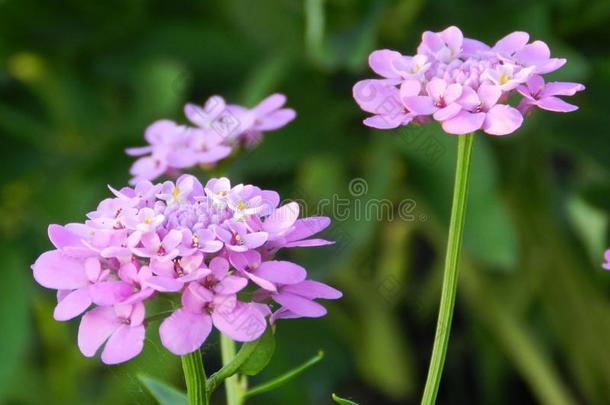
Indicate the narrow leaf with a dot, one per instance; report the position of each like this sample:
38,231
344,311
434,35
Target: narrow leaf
260,357
164,394
343,401
284,378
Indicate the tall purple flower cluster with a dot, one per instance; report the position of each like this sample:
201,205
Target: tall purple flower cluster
463,84
217,129
210,249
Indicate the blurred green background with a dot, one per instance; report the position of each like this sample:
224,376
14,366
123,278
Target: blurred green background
80,80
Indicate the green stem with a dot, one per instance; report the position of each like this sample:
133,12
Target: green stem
284,378
450,276
194,375
232,387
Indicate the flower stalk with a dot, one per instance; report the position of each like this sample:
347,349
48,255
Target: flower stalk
194,376
232,387
450,276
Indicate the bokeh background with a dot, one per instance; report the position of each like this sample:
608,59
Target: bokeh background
80,80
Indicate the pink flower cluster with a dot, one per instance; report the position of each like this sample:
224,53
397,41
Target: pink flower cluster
200,246
606,264
218,129
463,84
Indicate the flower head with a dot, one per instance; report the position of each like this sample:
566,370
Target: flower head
202,244
217,129
462,83
606,265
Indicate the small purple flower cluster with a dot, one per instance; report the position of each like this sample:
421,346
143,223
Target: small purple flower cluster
218,129
606,264
201,246
463,84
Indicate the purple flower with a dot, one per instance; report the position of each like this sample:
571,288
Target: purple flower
202,244
79,283
237,238
538,94
299,233
481,110
121,328
382,99
297,300
218,129
211,302
462,83
267,274
268,115
441,100
606,265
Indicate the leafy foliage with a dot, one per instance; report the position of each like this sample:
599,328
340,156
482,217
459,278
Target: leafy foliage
163,393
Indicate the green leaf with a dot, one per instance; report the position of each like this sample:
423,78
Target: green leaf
246,350
343,401
164,394
284,378
590,224
260,357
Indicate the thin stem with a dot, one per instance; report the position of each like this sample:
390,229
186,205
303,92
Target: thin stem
194,375
284,378
450,276
232,387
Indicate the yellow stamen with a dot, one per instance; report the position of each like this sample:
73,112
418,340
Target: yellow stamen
175,193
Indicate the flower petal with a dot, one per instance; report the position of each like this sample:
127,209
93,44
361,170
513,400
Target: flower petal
95,327
420,105
269,104
386,121
231,285
300,305
108,293
381,63
124,344
448,112
261,282
489,95
377,97
502,120
282,218
511,43
184,332
164,284
308,243
555,104
305,227
219,267
561,89
61,237
244,323
53,269
281,272
313,289
464,123
72,305
533,54
276,119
